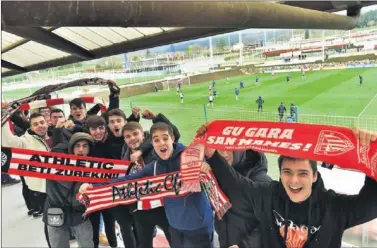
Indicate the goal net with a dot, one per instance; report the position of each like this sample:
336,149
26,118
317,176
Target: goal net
173,83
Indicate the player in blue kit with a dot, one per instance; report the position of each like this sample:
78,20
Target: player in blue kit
237,92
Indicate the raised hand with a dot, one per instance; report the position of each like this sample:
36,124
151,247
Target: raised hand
365,137
201,131
148,115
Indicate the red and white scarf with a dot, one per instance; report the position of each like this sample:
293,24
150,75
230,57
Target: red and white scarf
60,166
65,167
334,145
44,93
58,101
150,191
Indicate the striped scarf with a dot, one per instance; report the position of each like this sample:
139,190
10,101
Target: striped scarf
65,167
150,191
44,93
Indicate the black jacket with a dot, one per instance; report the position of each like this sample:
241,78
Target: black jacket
62,194
234,228
62,135
20,125
113,146
325,213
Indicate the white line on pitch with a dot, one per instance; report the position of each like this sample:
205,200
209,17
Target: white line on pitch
362,111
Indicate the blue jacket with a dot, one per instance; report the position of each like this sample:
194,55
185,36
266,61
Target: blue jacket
187,213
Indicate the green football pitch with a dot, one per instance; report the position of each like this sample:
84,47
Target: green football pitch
332,94
331,97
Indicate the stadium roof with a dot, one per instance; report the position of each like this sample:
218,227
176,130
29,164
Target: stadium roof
39,35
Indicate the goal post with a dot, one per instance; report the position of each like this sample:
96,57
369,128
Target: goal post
172,83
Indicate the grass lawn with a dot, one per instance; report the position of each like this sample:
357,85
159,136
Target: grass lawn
334,93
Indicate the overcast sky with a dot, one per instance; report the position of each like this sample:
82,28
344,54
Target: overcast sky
363,10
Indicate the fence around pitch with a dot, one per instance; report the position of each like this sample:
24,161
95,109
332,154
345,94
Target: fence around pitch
189,118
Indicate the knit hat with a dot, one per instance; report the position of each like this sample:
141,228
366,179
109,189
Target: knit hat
78,137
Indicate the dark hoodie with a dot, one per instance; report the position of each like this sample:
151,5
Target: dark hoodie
62,194
234,228
188,213
324,215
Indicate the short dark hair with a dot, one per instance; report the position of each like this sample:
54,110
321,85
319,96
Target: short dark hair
46,107
57,110
35,115
77,102
160,126
95,121
131,126
313,163
117,112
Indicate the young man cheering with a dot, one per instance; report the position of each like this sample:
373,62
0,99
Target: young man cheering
35,138
297,211
116,120
190,217
147,219
62,195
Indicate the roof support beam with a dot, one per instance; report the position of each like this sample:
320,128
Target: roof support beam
12,66
44,65
165,38
17,44
13,46
50,39
198,14
160,39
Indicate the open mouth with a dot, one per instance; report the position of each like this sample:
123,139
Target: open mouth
116,130
163,151
295,189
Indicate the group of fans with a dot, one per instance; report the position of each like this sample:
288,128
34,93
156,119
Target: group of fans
296,211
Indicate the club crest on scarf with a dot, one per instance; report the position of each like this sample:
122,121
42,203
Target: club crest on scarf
333,143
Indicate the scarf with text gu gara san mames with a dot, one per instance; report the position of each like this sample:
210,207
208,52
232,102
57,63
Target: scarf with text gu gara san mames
330,144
